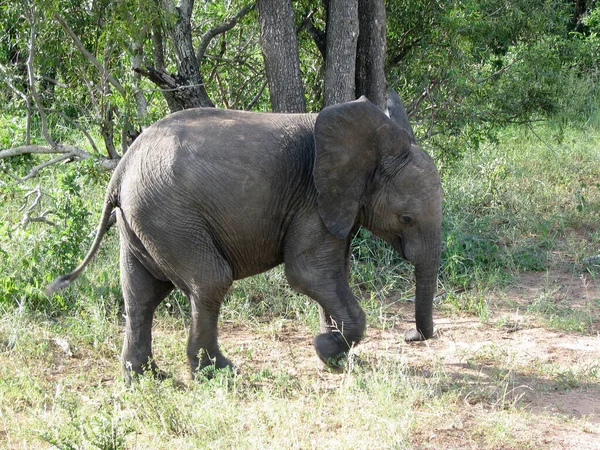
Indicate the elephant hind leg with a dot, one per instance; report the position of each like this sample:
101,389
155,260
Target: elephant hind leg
142,293
203,347
206,285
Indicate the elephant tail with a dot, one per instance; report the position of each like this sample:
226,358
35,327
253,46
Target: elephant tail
63,281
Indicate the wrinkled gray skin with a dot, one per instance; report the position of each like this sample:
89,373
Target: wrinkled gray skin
208,196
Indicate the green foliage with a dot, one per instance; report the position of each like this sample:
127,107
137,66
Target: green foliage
36,252
507,206
476,66
104,431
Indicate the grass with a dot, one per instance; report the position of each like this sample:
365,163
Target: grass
517,206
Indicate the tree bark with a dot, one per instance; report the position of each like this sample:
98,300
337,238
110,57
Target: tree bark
342,37
370,52
190,92
280,51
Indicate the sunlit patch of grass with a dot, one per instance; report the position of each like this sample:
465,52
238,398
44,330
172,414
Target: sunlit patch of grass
509,205
555,376
559,315
472,303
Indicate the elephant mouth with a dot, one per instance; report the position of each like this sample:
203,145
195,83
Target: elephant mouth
398,245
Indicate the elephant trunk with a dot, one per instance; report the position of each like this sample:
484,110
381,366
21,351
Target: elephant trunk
427,263
426,285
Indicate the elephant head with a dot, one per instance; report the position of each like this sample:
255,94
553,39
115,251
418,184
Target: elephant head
369,171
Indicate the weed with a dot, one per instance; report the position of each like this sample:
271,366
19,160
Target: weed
560,315
469,302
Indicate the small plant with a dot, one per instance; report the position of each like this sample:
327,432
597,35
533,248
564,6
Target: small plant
559,315
468,302
105,430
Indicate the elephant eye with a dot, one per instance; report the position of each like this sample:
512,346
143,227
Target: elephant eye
406,219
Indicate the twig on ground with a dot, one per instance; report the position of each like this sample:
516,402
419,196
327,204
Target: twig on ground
440,297
27,217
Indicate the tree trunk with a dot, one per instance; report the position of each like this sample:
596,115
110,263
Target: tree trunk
280,51
189,91
370,52
342,37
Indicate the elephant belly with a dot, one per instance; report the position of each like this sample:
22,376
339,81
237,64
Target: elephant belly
180,244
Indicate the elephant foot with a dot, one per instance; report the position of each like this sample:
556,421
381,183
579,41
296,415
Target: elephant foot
209,367
414,335
132,373
332,348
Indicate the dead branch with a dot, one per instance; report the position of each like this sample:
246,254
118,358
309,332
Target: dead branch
66,152
27,217
26,149
74,152
34,170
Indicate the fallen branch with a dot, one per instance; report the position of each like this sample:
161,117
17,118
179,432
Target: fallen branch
27,218
45,149
65,152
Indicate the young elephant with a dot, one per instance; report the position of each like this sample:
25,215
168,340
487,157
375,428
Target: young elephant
208,196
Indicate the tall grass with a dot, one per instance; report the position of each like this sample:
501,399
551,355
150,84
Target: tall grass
509,206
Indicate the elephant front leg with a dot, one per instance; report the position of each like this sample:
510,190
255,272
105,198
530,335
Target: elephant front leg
345,327
142,293
345,320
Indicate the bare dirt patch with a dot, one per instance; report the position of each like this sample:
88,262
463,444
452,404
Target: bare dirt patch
515,358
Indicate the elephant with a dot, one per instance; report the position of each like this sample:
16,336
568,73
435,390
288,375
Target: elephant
207,196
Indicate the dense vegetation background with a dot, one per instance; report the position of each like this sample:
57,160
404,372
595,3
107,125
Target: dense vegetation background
504,94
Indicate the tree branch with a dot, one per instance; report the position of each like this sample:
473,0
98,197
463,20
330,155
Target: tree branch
43,149
256,97
163,79
88,55
220,29
31,75
34,170
319,36
27,219
79,127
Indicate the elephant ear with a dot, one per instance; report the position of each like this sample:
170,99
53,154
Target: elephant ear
351,139
397,113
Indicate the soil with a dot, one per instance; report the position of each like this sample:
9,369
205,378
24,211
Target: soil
511,358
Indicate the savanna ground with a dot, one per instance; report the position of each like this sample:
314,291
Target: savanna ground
515,363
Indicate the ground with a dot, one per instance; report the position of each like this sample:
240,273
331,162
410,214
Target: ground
521,372
509,359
